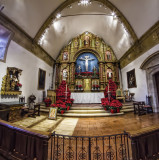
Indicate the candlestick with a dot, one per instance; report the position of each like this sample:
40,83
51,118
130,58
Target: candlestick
108,86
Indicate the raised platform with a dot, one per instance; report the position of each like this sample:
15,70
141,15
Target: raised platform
91,110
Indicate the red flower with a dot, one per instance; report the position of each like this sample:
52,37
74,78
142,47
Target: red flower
62,111
19,85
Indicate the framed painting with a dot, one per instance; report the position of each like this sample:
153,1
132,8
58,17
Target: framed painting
5,38
53,113
41,79
131,79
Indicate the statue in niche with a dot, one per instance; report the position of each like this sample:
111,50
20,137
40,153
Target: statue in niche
64,74
86,59
86,41
79,69
108,56
94,70
65,56
109,73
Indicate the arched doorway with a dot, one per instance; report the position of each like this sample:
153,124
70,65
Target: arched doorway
156,78
151,66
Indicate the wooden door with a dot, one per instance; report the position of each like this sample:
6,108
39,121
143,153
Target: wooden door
157,83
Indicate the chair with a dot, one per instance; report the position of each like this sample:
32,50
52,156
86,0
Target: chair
35,111
139,108
119,95
25,109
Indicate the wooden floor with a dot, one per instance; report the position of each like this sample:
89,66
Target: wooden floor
114,125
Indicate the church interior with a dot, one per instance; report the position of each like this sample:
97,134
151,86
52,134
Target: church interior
79,80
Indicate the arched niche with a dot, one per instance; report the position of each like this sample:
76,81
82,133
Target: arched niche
151,66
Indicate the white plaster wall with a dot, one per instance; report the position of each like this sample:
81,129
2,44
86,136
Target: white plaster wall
141,90
21,58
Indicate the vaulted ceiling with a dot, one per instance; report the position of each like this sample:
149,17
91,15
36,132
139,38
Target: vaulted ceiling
38,19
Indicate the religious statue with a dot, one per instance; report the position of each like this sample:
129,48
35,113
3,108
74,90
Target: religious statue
108,55
109,73
86,40
86,59
94,70
79,69
64,74
65,56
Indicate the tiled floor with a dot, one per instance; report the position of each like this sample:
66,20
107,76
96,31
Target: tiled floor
98,126
114,125
67,126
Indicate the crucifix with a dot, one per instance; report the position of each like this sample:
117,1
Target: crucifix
86,59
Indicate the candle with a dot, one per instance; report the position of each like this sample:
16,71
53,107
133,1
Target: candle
108,87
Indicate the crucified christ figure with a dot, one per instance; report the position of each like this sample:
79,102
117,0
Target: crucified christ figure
86,59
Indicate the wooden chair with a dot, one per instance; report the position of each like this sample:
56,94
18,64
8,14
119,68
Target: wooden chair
141,108
119,95
25,108
34,112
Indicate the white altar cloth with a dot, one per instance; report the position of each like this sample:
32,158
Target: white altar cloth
85,97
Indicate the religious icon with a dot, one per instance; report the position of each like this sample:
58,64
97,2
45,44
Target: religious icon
41,82
94,70
86,59
131,79
109,73
108,56
79,69
86,41
64,74
52,113
65,56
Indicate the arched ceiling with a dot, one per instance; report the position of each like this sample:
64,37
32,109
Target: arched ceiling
31,16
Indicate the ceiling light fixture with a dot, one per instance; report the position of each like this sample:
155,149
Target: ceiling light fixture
114,15
58,15
84,2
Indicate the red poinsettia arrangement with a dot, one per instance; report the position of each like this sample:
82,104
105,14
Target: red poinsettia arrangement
63,100
47,102
110,103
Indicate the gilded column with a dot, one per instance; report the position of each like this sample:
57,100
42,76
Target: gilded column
101,72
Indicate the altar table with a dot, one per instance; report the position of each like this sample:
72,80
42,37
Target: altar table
86,97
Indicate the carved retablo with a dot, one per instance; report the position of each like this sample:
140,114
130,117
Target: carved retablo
87,58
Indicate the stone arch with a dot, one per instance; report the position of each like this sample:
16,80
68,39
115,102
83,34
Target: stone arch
151,66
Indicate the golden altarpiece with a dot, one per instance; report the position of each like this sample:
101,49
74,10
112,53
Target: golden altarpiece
87,63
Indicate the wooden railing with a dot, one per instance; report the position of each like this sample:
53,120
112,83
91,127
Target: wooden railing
145,143
17,143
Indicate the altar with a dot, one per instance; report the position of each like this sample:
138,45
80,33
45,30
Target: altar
87,97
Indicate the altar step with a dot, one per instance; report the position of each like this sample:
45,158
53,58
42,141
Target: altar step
90,110
104,114
127,107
